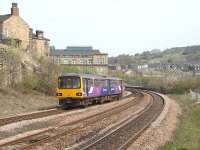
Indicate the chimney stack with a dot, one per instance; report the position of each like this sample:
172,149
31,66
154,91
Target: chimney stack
14,10
39,34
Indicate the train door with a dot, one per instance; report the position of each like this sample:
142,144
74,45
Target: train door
122,87
90,87
85,89
104,87
109,87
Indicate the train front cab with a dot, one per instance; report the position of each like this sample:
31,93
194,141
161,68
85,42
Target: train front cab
70,90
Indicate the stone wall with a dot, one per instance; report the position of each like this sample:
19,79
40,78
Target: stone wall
39,47
1,29
16,28
3,65
10,67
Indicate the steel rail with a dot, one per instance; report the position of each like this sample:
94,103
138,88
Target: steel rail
86,120
136,125
134,137
36,115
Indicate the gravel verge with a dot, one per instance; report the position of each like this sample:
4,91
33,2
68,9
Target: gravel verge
14,102
85,133
28,126
161,130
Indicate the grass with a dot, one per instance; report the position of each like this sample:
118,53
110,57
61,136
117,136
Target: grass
187,136
14,101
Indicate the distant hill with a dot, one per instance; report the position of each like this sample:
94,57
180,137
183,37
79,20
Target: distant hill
189,54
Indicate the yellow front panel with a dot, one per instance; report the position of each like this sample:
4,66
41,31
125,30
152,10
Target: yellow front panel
68,93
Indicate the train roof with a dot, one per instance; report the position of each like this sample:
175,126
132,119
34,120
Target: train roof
89,76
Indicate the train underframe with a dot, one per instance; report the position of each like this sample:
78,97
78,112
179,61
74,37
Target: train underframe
84,102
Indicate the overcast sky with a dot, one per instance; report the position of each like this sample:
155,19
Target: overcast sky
113,26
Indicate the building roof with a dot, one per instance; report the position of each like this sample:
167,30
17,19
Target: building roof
79,48
75,51
4,17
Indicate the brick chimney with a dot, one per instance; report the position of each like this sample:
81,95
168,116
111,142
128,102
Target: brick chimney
39,34
14,10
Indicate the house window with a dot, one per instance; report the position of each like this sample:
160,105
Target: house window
66,61
73,61
6,33
81,61
90,61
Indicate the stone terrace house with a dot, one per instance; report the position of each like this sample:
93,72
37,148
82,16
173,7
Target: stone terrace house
86,58
14,28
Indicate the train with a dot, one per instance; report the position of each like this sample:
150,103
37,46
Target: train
84,89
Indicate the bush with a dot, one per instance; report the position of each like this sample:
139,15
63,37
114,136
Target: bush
161,84
77,69
43,79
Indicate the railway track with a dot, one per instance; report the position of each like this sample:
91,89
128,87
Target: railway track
121,136
31,141
18,118
35,115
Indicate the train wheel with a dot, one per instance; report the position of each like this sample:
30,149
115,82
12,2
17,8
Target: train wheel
84,104
102,100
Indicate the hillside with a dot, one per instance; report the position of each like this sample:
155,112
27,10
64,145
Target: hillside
27,83
189,54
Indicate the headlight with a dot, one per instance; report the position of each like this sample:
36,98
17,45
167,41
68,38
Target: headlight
78,94
59,94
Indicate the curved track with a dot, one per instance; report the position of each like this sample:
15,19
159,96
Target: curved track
40,114
51,134
35,115
120,136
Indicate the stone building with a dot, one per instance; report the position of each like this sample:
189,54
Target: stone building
86,58
39,45
14,28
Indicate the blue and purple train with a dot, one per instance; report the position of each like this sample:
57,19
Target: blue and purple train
84,89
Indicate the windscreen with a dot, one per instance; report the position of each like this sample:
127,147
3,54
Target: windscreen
69,82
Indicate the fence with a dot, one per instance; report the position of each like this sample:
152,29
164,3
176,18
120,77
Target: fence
195,95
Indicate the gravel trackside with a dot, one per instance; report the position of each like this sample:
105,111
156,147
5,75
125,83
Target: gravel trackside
14,102
28,126
161,130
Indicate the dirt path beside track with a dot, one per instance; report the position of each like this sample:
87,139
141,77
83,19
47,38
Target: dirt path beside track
14,102
161,131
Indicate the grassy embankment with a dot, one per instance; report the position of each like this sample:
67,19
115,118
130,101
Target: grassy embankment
187,135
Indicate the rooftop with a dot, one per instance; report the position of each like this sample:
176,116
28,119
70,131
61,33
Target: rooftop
75,50
4,17
79,48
